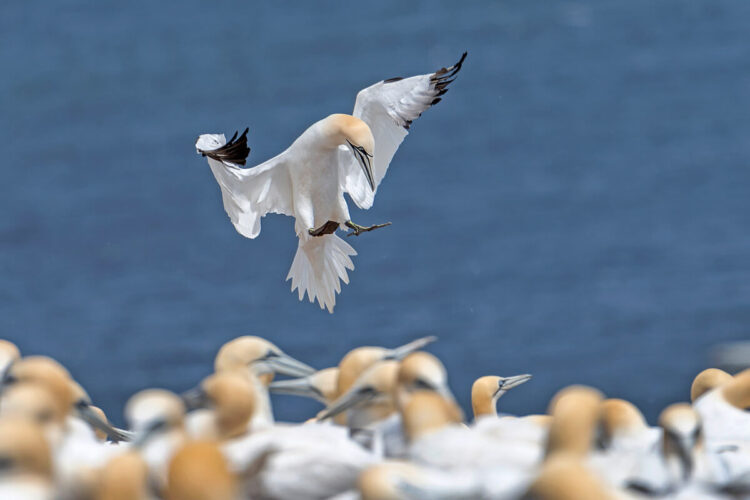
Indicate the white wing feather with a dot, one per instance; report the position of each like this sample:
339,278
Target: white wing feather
389,107
251,193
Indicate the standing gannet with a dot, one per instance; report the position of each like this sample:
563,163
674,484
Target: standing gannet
259,360
683,466
339,154
27,470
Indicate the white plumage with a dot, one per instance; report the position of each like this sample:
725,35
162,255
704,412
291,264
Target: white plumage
336,155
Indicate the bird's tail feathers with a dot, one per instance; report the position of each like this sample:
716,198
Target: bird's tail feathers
319,265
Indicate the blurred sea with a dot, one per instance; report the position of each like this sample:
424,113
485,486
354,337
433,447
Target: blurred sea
577,207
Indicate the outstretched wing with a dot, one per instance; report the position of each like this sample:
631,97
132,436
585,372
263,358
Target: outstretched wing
389,107
248,193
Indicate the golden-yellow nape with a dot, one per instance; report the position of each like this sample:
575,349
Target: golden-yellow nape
427,412
707,380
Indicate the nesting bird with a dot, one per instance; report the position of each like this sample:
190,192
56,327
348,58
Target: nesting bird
336,155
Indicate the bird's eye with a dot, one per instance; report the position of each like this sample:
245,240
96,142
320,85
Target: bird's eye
422,384
367,391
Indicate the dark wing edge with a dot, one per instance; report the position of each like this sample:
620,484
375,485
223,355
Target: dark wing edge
440,80
234,151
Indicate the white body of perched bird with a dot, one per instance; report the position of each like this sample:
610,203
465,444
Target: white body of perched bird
336,155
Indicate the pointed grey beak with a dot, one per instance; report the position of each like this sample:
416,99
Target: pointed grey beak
365,161
88,415
347,401
194,399
297,387
283,364
507,383
401,352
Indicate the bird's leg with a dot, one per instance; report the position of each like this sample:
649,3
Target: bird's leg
363,229
329,227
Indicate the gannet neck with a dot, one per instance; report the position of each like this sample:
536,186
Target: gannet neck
24,446
199,471
707,380
232,398
575,413
428,412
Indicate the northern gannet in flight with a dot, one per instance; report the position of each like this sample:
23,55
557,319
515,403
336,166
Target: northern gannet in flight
336,155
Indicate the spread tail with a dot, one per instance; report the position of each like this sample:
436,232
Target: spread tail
319,264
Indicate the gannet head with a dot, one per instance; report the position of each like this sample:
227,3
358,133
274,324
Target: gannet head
421,371
706,381
358,360
575,414
24,448
31,401
199,471
683,433
230,396
371,395
9,354
358,136
619,418
153,411
261,357
124,476
487,390
564,477
216,146
427,412
321,385
46,372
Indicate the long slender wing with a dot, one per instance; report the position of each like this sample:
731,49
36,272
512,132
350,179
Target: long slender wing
248,193
389,107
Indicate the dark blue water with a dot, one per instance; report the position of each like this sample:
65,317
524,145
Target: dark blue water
578,207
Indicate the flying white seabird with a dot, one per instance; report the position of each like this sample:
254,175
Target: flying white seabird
336,155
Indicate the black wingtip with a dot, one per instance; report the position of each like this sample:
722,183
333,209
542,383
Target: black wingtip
234,151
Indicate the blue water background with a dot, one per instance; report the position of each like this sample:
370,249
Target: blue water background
578,206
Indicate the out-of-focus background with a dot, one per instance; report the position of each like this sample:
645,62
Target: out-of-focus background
577,207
